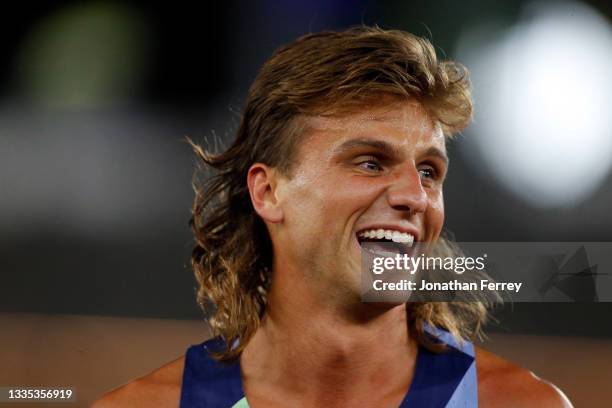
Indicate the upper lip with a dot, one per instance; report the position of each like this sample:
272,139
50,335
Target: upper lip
409,230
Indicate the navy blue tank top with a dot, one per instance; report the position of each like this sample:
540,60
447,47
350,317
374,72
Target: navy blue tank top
446,379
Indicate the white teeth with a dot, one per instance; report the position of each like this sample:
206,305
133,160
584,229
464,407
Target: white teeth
392,235
403,238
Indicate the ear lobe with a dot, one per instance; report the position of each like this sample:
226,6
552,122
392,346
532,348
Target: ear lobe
262,182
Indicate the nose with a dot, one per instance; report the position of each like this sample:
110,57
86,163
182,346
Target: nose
407,193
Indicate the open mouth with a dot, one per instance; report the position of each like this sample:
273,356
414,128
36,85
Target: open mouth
383,242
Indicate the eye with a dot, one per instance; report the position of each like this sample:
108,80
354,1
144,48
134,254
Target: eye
372,165
428,173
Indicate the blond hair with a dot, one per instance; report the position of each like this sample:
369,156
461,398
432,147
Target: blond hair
328,73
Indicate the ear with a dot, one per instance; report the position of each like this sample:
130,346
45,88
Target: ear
262,182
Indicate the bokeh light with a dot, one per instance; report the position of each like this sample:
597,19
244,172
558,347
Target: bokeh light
543,91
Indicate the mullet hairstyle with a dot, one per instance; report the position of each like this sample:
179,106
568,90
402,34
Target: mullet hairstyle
328,73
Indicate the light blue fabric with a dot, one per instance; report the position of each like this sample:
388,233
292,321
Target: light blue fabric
241,404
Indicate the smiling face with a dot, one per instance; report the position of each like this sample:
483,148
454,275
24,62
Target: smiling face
380,169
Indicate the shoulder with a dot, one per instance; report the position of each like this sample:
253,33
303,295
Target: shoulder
161,388
503,384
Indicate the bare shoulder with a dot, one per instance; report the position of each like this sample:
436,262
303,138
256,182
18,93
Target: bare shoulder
503,384
161,388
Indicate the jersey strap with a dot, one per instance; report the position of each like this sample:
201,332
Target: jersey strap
441,380
446,379
208,383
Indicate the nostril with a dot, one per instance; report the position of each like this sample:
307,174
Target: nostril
401,207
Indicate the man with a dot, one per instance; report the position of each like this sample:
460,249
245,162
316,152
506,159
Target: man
343,136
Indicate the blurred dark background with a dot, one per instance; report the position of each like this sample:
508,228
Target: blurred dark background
97,97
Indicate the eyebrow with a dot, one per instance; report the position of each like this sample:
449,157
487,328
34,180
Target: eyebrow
381,145
386,148
434,151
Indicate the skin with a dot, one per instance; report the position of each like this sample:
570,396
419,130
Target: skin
383,167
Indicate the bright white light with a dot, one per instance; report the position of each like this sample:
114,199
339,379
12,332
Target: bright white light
543,91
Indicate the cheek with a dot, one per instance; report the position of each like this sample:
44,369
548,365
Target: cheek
307,208
435,212
357,190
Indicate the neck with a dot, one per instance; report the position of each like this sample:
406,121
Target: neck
314,347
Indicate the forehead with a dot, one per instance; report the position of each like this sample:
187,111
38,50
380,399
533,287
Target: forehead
405,124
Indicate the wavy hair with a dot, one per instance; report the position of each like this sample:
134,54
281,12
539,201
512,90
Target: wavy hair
328,73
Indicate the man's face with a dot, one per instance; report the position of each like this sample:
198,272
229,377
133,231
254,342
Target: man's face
380,169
